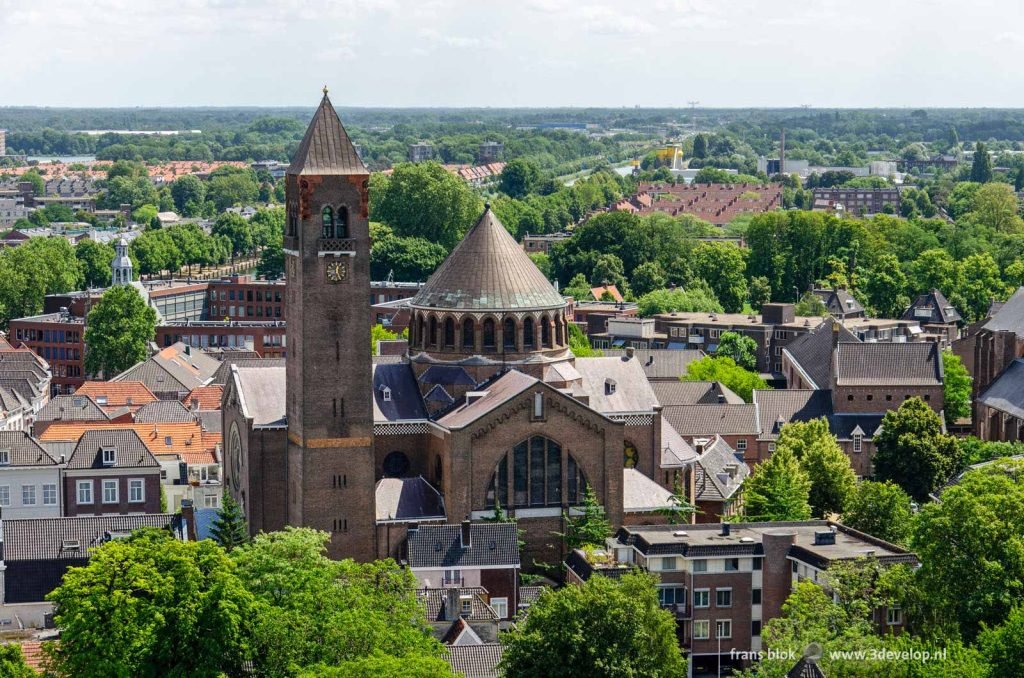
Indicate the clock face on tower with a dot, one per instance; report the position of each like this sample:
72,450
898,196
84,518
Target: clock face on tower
337,271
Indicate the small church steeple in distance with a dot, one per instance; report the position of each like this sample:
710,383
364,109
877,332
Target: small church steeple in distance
121,265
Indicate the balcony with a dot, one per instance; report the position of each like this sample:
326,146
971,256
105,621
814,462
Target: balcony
336,246
695,339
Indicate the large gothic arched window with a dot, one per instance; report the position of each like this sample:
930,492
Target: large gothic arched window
528,333
489,333
432,340
537,474
468,333
545,331
508,334
449,333
327,217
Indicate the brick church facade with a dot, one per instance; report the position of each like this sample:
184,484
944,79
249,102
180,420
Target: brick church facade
489,408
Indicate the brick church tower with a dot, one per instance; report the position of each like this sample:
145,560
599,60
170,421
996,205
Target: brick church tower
330,472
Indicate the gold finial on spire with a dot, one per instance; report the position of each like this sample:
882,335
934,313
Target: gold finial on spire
325,90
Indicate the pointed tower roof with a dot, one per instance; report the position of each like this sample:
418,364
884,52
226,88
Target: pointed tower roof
326,148
488,270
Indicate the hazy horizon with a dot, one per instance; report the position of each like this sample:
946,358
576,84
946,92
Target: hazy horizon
524,54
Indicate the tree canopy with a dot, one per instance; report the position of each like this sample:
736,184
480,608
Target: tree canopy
118,331
833,481
725,371
913,452
778,489
881,510
741,348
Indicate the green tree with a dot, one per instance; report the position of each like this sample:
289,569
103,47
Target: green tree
37,181
151,605
725,371
980,282
723,266
700,146
1003,645
12,662
385,666
833,481
543,262
912,450
647,277
118,331
156,251
123,190
578,288
810,304
236,229
885,287
380,333
759,291
996,206
934,269
778,489
600,628
590,527
695,298
362,609
229,528
94,259
971,546
424,200
608,270
956,387
881,510
189,194
981,167
229,186
271,264
741,348
519,178
31,271
579,344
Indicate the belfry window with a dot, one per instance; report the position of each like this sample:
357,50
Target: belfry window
341,226
468,332
433,331
489,333
545,332
508,334
528,333
327,216
449,333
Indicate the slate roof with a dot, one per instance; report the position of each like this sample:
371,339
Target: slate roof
840,303
1006,393
24,450
223,374
488,270
640,494
713,479
813,351
27,539
499,391
326,147
435,547
178,368
806,668
707,420
632,389
660,363
693,393
408,500
941,312
843,426
405,402
261,394
132,453
898,364
71,408
163,411
1010,316
434,600
449,375
789,405
475,661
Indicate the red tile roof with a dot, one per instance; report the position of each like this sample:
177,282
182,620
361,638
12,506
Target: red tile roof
118,394
208,397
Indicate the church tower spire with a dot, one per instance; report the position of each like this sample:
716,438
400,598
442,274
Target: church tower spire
329,374
121,265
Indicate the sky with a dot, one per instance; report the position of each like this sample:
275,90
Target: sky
513,53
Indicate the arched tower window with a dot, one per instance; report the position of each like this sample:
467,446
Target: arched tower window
489,333
468,333
423,333
559,327
545,331
433,331
341,227
537,475
449,333
528,333
327,216
508,334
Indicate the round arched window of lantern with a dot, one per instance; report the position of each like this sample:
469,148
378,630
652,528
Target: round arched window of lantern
468,333
489,334
508,334
327,217
449,333
528,333
396,465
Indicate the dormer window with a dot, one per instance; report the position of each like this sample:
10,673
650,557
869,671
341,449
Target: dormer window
609,387
386,394
109,456
101,400
168,441
5,457
858,441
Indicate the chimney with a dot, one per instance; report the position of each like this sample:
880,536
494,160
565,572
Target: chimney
465,535
725,529
451,604
195,404
188,514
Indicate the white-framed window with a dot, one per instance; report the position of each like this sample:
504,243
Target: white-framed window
671,595
771,447
894,616
110,491
136,490
732,564
714,334
858,441
538,405
723,597
5,495
778,350
467,605
28,495
701,629
723,628
49,494
781,334
211,501
699,566
109,456
702,597
669,563
5,457
741,444
84,491
500,606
